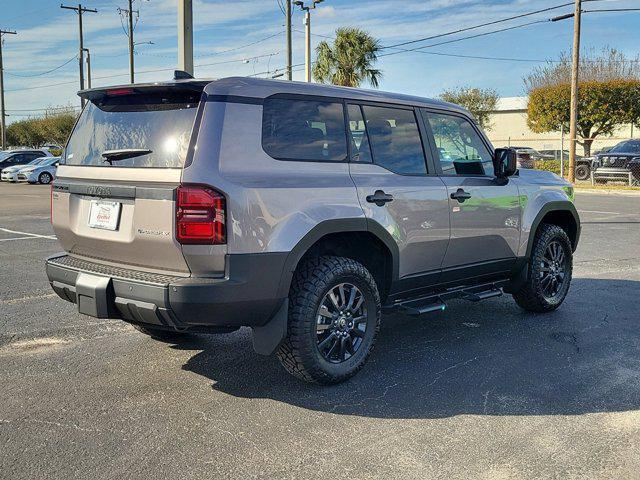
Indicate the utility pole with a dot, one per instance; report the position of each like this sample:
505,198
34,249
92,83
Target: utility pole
289,52
185,36
574,90
80,10
307,23
88,67
3,129
129,12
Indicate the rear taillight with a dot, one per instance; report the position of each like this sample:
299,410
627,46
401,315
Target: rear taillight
200,216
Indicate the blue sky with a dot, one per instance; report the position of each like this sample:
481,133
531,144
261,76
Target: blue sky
47,37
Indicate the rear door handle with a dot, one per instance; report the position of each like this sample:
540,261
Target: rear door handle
379,198
460,195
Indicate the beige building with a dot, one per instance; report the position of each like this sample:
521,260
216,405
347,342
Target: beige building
509,128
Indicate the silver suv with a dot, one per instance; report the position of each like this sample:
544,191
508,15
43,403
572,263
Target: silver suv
302,211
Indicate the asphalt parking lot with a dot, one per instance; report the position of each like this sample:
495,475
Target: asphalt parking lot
479,391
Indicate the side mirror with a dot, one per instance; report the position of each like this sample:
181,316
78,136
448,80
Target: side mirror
504,162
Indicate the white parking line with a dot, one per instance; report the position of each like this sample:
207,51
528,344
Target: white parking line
27,234
602,213
18,238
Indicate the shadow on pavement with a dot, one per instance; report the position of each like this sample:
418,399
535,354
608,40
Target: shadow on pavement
488,358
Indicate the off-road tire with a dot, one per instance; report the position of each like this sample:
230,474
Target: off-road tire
583,171
531,297
45,178
169,336
299,353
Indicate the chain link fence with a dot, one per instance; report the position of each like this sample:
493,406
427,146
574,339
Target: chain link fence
600,168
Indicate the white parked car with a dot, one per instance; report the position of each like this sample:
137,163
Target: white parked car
43,172
18,158
10,174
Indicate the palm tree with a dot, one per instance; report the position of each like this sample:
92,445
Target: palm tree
349,61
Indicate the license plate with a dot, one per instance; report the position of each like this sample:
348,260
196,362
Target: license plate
104,215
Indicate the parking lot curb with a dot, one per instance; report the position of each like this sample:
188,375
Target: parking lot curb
603,191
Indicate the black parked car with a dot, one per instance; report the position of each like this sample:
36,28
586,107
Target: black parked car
625,156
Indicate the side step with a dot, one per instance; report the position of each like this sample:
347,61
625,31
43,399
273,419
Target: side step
477,296
436,301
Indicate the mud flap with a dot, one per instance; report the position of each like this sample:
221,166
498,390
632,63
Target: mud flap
267,338
92,295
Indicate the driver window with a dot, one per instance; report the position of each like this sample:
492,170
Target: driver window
460,148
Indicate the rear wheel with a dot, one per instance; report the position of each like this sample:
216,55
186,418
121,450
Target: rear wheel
550,270
45,178
334,317
160,334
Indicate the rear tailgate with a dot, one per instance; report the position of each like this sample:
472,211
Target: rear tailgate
120,208
143,205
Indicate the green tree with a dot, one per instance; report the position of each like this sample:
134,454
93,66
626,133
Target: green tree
602,107
350,60
480,102
608,95
53,127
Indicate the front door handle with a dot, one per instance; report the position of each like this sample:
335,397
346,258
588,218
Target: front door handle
460,195
379,198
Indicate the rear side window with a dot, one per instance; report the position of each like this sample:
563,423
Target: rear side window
297,129
395,140
161,123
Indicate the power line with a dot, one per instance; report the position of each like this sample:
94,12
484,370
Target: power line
612,10
43,73
35,87
464,38
486,24
455,40
444,54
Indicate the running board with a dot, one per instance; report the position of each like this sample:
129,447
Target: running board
436,301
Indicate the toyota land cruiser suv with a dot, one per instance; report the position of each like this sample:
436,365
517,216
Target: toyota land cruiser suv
302,211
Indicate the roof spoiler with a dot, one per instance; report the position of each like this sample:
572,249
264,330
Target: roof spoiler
181,75
97,94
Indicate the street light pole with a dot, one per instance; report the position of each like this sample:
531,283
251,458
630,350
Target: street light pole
185,36
574,90
88,67
307,45
307,23
3,118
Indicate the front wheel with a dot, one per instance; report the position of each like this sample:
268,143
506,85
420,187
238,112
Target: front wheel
550,269
582,172
334,318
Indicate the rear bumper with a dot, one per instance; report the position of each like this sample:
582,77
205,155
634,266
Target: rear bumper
246,296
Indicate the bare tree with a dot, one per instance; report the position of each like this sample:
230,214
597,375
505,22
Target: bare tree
595,66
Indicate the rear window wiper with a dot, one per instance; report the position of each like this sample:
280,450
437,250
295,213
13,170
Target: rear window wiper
111,156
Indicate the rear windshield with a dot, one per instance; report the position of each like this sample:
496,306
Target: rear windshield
159,123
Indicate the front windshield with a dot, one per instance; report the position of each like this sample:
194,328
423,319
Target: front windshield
629,146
